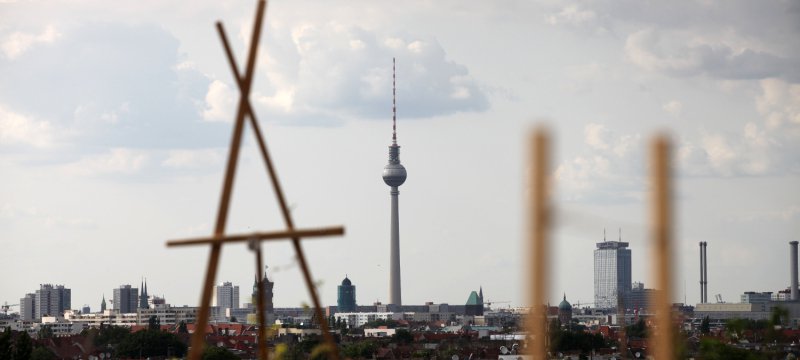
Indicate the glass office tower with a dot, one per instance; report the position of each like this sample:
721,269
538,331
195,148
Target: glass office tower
612,275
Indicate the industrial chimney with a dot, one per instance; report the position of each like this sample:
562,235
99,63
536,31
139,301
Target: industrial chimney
702,276
793,269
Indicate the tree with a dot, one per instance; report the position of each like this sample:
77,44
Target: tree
150,343
111,335
705,325
182,328
638,330
711,349
360,350
5,344
42,353
45,332
218,353
153,323
23,346
403,336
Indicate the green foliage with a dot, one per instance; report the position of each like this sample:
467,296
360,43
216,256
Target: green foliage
149,343
321,351
705,325
638,330
5,344
23,346
45,332
403,336
153,323
182,328
308,343
218,353
564,340
361,349
111,335
714,350
41,353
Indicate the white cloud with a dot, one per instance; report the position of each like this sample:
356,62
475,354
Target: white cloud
779,103
682,53
571,15
21,129
220,102
673,107
330,71
720,154
116,161
17,43
191,158
595,135
609,172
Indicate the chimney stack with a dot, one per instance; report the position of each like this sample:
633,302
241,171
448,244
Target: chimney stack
705,271
702,275
793,270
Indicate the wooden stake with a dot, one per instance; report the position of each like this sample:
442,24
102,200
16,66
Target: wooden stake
259,236
539,237
664,342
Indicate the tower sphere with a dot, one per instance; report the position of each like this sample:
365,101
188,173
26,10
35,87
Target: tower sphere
394,174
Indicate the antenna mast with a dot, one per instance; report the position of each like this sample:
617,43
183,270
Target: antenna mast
394,105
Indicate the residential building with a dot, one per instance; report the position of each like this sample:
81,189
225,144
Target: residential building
27,307
227,296
126,299
51,300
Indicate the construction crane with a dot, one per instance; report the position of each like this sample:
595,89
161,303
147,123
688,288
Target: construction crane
6,306
490,302
719,298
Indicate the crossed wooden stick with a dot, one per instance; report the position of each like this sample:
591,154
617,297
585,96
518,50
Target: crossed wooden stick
246,111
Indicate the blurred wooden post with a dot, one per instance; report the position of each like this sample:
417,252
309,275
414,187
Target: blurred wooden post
261,314
663,341
539,232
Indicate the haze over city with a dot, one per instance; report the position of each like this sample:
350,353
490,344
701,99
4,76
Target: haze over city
115,120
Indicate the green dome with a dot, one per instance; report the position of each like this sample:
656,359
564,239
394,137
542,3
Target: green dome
564,305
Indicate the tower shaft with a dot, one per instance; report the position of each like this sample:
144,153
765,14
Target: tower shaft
394,175
394,262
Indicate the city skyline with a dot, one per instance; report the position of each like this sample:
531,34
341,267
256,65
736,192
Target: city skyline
120,144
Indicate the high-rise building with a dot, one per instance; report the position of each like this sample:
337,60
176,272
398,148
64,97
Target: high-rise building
126,299
346,301
394,175
27,307
227,296
51,300
612,275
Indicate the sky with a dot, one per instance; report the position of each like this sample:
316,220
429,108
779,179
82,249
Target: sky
115,118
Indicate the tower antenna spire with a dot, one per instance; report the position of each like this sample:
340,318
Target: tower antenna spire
394,104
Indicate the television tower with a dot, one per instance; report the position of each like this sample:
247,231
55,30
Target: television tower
394,175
